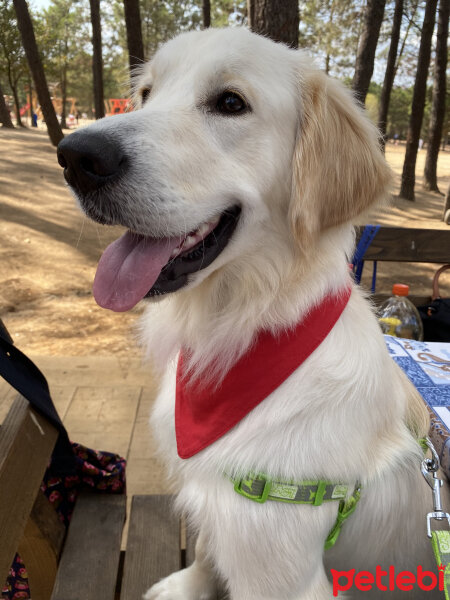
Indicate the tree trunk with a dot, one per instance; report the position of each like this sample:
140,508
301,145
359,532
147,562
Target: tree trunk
63,97
418,103
439,93
251,13
17,106
30,100
206,14
390,70
97,61
34,60
5,117
134,33
13,86
366,48
277,19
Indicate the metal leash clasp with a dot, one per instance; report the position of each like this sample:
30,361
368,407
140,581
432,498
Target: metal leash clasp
429,468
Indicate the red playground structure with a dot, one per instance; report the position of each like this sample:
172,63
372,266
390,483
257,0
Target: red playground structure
117,106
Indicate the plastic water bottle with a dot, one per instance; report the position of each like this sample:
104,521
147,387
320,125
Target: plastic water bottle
399,317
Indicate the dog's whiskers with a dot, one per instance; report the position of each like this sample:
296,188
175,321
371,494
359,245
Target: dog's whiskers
81,231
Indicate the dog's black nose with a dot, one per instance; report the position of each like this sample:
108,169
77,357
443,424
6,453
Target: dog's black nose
90,159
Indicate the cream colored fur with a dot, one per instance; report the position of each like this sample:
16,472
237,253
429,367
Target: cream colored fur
303,164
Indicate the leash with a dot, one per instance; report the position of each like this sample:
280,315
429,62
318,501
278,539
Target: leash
260,489
367,236
440,539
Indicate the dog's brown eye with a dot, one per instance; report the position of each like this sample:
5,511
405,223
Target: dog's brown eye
145,93
231,103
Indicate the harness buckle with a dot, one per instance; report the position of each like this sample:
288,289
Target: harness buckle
439,516
261,496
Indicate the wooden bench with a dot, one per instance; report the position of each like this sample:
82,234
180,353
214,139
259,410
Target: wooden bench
405,245
86,563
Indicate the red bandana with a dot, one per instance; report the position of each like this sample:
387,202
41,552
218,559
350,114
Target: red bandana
203,414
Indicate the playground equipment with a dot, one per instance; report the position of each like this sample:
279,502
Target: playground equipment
117,106
24,109
113,106
57,105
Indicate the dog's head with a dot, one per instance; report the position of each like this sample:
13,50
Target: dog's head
235,141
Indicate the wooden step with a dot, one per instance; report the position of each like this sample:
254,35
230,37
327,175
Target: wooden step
90,561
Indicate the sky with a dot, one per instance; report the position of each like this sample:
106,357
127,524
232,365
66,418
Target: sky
40,3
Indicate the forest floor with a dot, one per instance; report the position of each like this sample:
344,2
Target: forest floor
49,252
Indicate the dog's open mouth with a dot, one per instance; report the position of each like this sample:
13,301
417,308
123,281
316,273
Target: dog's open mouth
136,266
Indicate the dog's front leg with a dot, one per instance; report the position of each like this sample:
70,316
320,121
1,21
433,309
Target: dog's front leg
272,551
318,588
197,582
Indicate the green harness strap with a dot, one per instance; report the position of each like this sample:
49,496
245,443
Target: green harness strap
440,541
260,489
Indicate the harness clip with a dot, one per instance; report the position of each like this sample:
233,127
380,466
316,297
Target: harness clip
429,467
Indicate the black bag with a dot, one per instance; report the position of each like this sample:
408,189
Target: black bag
436,315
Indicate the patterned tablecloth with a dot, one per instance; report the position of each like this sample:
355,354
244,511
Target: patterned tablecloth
427,365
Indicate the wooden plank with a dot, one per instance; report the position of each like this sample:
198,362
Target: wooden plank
40,561
191,540
153,549
90,560
26,443
62,396
103,417
401,244
40,547
95,370
8,395
48,522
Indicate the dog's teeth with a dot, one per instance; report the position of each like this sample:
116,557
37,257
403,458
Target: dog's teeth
188,242
195,237
203,229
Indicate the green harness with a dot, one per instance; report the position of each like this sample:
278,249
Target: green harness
259,489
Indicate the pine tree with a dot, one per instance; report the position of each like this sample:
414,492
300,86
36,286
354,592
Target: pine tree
12,56
206,10
134,33
365,58
5,117
34,61
418,102
439,97
97,60
277,19
390,70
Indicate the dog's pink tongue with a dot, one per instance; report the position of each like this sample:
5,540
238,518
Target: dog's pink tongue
128,269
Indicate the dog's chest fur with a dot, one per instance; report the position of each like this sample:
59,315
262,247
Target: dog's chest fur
332,419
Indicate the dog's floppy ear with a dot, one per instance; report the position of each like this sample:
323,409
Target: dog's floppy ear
339,169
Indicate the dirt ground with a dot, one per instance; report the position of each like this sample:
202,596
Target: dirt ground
49,252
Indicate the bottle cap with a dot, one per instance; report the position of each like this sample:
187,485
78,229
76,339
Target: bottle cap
400,289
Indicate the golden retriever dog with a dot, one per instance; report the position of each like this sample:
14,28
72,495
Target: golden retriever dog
238,176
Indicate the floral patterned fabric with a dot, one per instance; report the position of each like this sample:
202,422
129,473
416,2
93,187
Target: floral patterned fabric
94,470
